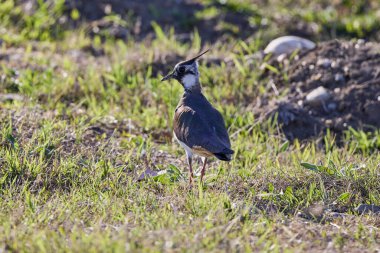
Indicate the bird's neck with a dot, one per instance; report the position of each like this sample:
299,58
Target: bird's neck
191,83
194,89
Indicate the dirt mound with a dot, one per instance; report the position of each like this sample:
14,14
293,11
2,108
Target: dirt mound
335,86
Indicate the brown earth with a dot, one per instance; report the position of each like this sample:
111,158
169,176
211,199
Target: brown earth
350,74
134,18
214,20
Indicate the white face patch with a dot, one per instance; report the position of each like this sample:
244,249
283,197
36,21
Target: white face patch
189,81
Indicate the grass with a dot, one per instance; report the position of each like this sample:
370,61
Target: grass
86,127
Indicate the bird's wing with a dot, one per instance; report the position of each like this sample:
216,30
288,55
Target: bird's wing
196,131
217,121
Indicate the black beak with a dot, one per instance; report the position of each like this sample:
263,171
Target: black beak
167,77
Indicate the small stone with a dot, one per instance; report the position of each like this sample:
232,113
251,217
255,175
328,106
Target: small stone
328,122
318,96
95,29
324,62
336,90
335,64
108,9
317,76
361,42
339,77
264,21
331,106
311,66
62,20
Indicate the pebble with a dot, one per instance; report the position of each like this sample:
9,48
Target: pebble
335,64
328,122
318,96
316,77
288,44
324,62
331,106
339,77
361,42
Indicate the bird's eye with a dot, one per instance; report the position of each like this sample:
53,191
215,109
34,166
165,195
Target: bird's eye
181,69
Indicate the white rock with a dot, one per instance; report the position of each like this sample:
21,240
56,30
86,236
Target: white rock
288,44
318,95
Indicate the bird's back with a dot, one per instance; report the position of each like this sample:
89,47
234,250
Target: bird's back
199,125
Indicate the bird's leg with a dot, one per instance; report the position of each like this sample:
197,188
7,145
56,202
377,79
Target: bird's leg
204,159
189,160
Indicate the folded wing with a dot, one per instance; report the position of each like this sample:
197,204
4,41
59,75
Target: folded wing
209,133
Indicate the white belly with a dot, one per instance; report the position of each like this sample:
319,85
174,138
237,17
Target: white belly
195,150
188,150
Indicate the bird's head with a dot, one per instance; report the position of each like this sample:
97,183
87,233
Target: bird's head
186,73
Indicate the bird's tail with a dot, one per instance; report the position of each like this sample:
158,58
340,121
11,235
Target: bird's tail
225,155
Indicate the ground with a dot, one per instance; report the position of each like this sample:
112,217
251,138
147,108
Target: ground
350,73
86,127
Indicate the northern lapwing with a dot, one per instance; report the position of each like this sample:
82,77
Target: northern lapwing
198,126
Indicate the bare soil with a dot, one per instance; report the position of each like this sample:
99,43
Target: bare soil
167,13
350,73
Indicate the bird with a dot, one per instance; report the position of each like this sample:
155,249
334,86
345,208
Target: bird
198,127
